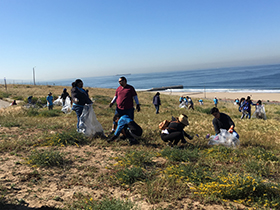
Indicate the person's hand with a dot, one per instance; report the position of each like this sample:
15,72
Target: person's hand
110,105
138,107
76,100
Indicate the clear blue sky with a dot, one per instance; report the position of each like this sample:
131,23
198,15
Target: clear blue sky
84,38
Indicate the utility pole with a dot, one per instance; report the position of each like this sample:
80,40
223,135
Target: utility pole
34,75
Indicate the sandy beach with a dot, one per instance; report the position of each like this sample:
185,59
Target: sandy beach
265,97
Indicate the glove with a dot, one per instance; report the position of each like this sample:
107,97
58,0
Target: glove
110,105
138,107
112,138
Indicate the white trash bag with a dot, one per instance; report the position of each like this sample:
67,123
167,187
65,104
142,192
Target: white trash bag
88,124
224,138
67,109
183,105
259,112
58,102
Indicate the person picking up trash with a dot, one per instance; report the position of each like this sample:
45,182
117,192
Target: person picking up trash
173,132
222,121
128,128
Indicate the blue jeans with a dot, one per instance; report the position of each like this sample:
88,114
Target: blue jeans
121,112
79,111
157,108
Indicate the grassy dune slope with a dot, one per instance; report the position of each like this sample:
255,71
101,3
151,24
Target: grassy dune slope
45,163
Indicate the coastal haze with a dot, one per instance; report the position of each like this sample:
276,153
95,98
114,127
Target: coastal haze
82,39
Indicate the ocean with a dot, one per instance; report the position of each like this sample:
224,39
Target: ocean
264,78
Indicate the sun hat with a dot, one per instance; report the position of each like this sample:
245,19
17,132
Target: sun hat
183,119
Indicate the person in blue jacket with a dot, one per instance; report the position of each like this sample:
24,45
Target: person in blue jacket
246,108
50,101
128,128
80,98
156,102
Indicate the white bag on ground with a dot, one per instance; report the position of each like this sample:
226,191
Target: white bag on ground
224,138
88,124
58,102
67,109
259,112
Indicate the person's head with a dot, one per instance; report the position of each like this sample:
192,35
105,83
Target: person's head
122,81
78,83
259,102
215,112
157,93
64,90
248,98
50,93
187,97
116,118
183,119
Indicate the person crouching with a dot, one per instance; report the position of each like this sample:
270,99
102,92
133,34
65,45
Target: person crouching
175,131
128,128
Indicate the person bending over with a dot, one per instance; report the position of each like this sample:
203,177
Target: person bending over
222,121
128,128
175,131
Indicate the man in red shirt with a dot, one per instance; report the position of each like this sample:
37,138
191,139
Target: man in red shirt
124,96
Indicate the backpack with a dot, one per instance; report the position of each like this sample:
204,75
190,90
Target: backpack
163,125
246,106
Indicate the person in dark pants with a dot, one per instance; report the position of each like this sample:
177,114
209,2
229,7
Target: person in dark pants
124,96
50,101
175,131
156,102
222,121
128,128
64,96
80,98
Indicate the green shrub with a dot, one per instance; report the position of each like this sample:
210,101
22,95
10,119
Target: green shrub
50,113
18,98
32,112
136,158
46,158
130,175
102,99
4,94
71,137
180,155
202,110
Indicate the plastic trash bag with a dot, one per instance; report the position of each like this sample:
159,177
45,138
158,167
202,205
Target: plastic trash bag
67,109
183,105
58,102
224,138
259,112
88,123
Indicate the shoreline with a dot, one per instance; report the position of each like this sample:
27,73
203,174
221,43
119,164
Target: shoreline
255,96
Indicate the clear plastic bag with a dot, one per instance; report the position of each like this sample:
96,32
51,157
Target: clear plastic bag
224,138
58,102
88,123
259,112
67,109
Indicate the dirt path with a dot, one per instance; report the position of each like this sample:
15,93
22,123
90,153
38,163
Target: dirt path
4,104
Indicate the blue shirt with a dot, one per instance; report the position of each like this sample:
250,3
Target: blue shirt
124,120
50,100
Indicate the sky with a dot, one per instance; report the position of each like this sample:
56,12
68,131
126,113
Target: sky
63,39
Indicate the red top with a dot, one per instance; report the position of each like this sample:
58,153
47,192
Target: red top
125,97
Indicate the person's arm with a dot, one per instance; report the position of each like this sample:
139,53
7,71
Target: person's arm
137,103
113,101
216,127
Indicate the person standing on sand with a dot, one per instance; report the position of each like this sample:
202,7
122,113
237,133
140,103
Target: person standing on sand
124,96
222,121
215,102
80,98
50,101
156,102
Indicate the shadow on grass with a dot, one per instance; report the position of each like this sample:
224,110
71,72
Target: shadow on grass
23,207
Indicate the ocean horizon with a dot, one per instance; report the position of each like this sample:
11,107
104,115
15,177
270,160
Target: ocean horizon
261,78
